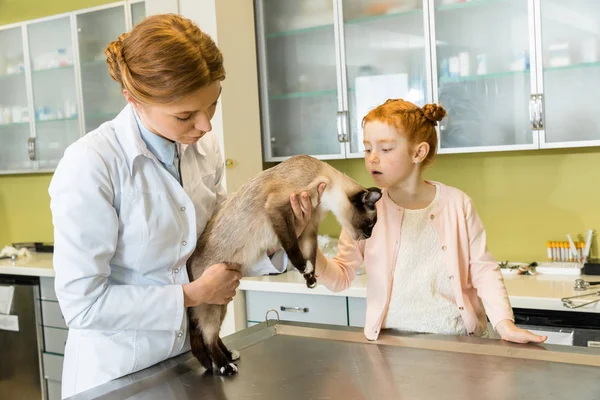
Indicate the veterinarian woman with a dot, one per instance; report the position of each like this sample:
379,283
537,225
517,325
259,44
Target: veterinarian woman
129,201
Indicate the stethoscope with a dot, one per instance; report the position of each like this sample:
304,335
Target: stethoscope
580,285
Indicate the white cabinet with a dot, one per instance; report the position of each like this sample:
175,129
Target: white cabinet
320,309
55,334
323,64
54,83
312,308
512,74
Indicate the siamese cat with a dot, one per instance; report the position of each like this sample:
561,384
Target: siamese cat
259,217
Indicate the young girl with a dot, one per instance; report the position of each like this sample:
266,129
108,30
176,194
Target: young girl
428,265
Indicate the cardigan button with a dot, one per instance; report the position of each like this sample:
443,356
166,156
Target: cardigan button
461,308
431,216
444,248
451,276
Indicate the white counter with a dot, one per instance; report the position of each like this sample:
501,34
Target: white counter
541,292
40,264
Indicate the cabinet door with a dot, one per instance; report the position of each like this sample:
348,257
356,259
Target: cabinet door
14,111
138,12
386,49
570,47
298,78
483,76
102,97
54,88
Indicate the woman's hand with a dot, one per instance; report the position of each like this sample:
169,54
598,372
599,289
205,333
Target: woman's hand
511,333
215,286
302,207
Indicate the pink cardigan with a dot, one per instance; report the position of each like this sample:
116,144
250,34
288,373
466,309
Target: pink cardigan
472,269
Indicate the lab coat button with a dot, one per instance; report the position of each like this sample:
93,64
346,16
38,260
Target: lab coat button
184,243
180,334
182,209
176,270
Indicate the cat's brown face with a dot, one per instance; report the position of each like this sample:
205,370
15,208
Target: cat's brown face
361,215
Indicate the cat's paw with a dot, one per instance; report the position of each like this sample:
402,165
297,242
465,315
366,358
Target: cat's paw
235,355
229,369
311,281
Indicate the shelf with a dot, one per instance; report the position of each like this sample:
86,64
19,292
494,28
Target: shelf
14,74
495,75
53,69
299,31
104,116
13,124
94,63
573,66
47,121
371,18
298,95
353,21
467,4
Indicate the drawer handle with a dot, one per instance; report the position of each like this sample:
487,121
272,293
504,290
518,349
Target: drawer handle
294,309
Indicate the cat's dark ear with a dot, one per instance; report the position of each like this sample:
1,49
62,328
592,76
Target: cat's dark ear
370,197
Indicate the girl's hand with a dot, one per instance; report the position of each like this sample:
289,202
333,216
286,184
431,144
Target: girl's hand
511,333
303,208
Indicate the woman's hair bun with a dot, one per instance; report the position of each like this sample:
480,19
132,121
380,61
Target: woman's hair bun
433,112
115,59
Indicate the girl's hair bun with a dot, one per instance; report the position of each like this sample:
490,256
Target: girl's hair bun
433,112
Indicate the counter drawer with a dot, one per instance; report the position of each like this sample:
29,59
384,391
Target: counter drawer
53,366
54,390
55,340
357,310
51,315
296,307
47,289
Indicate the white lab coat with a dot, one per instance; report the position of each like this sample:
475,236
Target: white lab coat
123,230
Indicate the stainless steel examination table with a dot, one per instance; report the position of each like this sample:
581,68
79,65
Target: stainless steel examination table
289,361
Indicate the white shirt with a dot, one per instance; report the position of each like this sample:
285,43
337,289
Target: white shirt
123,230
422,295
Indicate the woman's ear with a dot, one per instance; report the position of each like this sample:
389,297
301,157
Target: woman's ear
130,99
421,152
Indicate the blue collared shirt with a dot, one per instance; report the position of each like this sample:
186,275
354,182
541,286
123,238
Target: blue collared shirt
163,149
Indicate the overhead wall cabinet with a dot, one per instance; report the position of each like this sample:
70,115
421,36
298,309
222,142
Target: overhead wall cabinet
512,74
54,83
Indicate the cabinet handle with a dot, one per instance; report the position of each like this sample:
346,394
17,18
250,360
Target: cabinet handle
31,148
532,113
536,114
342,126
540,110
294,309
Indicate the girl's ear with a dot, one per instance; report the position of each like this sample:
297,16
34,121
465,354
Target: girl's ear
421,152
